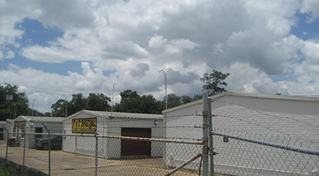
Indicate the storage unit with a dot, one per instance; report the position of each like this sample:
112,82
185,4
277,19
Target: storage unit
113,124
33,124
273,118
9,127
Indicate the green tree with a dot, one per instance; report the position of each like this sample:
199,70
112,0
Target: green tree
97,102
129,101
134,103
148,104
77,103
58,108
197,97
173,100
15,107
186,99
213,82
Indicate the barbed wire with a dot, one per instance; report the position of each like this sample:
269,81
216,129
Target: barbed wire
268,128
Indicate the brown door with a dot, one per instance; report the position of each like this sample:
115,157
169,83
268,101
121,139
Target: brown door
135,147
1,134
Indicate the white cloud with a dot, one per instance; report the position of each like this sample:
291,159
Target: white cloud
311,7
47,54
177,46
10,55
128,43
157,41
124,50
311,51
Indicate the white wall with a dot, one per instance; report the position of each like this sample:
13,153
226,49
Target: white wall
54,127
279,121
108,147
9,127
114,129
83,145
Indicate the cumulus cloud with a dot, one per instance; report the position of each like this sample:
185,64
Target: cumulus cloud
177,77
124,50
177,46
140,70
157,41
66,14
46,54
10,55
128,43
311,7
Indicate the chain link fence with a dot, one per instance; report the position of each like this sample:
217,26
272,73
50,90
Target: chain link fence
244,153
247,140
82,160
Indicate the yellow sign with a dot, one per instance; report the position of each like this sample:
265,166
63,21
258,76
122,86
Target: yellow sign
19,124
79,125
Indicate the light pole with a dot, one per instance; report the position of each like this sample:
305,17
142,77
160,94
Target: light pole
112,100
66,107
165,78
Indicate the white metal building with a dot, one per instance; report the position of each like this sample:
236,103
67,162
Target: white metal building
33,124
287,120
117,124
9,127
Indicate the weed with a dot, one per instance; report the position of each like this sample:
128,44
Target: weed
6,171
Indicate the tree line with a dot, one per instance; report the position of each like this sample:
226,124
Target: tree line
14,103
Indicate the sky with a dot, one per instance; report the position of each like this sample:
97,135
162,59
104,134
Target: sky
53,49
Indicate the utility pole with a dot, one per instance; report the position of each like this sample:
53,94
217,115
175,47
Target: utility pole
165,79
66,107
112,99
32,107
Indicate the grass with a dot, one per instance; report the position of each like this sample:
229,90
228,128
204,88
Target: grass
6,171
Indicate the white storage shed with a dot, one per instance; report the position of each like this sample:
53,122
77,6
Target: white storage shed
9,127
113,124
286,120
33,124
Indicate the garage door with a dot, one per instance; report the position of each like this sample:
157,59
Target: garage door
134,147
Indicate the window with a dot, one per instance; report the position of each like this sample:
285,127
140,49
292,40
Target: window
38,130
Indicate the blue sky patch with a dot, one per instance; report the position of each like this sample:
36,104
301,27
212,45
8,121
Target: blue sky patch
283,77
303,29
36,34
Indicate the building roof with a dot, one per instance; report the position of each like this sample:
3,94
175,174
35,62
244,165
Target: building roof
107,114
39,119
2,123
248,95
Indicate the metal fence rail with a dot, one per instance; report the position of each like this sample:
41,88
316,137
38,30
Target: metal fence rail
271,144
79,158
247,141
244,153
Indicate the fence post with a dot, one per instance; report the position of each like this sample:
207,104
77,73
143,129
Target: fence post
96,145
205,135
211,149
7,144
164,144
49,148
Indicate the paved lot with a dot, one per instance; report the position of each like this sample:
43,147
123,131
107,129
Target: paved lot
63,163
